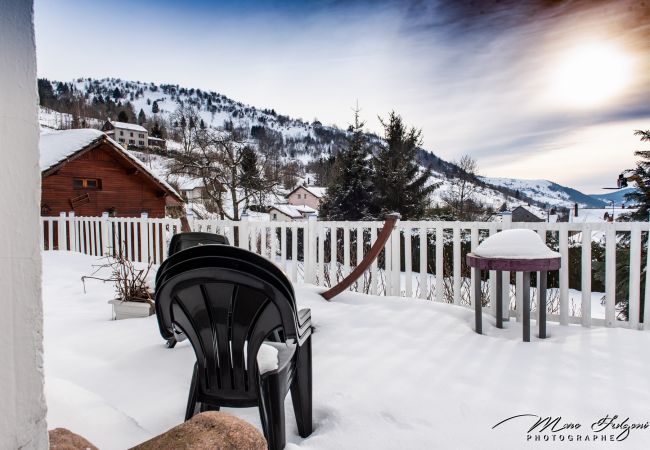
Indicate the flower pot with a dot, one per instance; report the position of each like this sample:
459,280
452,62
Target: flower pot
129,310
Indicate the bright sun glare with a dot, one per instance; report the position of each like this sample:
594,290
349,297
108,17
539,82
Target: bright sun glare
590,75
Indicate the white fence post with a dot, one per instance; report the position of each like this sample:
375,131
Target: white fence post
309,250
61,228
74,245
610,275
144,237
106,235
585,281
243,232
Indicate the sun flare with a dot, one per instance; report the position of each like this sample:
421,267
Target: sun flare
590,75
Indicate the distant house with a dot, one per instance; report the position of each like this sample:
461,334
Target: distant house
156,142
307,195
127,134
288,213
521,214
87,172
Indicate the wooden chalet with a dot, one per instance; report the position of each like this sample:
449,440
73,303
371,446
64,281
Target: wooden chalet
87,172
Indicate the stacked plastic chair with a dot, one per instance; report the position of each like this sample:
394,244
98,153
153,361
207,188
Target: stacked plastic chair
229,302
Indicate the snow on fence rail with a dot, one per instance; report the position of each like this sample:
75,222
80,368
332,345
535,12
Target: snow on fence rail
423,259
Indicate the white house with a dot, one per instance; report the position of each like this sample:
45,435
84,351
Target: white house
306,195
287,213
127,134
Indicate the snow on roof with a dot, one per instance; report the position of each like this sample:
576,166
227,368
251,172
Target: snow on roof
56,146
522,244
315,190
295,212
128,126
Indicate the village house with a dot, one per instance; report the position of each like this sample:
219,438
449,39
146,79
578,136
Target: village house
88,173
127,134
307,195
288,213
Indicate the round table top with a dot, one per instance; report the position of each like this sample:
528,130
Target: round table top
513,264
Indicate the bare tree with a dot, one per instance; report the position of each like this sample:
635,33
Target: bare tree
215,157
460,195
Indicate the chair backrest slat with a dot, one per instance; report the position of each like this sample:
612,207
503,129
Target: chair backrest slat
226,314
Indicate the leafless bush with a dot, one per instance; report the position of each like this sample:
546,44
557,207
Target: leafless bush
129,282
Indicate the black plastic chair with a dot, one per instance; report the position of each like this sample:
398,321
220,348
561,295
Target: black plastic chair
197,257
182,241
228,302
179,242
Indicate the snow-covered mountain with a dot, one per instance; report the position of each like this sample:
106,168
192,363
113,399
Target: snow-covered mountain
547,192
618,197
300,142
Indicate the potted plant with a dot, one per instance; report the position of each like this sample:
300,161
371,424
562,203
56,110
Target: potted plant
133,296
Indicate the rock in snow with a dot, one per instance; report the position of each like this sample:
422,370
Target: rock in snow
207,431
523,244
64,439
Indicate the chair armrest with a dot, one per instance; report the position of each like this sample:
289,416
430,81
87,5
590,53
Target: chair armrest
304,325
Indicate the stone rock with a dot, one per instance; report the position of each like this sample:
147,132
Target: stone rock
211,430
64,439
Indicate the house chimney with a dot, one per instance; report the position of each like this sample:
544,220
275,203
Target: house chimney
575,209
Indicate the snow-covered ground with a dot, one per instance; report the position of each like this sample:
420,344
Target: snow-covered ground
388,373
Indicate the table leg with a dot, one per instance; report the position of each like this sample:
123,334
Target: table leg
542,305
526,306
499,303
478,313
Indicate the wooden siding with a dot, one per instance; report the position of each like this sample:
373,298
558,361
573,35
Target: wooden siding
123,188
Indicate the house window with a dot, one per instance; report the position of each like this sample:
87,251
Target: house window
131,134
122,140
141,135
86,183
141,143
132,141
275,216
121,133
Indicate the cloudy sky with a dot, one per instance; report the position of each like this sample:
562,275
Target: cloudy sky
529,88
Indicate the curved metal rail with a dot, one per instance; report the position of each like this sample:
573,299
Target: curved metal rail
389,224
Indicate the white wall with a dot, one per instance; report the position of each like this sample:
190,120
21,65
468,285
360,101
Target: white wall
22,404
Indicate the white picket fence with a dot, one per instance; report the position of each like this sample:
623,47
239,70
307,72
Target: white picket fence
307,254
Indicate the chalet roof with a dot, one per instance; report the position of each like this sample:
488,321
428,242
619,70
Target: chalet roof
293,211
317,191
128,126
58,147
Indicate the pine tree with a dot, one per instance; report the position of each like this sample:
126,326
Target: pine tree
141,117
122,116
116,93
642,178
154,108
349,194
251,176
400,185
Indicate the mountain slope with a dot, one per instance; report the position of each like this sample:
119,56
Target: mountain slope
547,192
296,141
617,196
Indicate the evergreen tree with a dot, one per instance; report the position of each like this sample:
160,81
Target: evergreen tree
45,92
349,194
156,131
141,117
116,93
400,186
642,178
122,116
251,176
154,108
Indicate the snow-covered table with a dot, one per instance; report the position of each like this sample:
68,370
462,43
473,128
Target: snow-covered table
513,251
